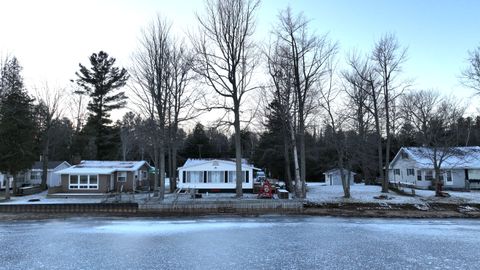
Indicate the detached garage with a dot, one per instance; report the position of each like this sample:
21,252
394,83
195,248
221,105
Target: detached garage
333,177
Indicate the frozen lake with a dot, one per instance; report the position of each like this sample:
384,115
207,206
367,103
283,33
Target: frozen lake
240,243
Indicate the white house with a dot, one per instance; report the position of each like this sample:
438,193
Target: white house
213,175
333,177
3,181
34,176
414,166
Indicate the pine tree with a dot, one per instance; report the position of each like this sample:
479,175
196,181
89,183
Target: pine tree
102,82
17,127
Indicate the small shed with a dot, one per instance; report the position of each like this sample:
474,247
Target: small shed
333,177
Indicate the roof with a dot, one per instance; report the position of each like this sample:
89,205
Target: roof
38,165
454,157
192,162
336,169
103,167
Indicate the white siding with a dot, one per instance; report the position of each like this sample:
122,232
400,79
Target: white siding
215,166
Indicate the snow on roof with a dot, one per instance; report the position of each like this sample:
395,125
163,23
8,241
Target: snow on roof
38,165
453,157
103,167
192,162
336,170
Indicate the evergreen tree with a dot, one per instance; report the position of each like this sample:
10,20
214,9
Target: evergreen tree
102,82
197,144
17,128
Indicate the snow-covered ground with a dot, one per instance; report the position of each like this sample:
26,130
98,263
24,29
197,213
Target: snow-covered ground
319,192
43,199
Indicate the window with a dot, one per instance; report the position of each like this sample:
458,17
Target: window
396,171
216,177
144,175
83,182
36,176
122,176
410,172
429,175
232,176
195,177
404,155
449,177
419,175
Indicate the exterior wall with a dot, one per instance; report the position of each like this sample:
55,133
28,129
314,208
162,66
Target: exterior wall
403,164
103,182
458,175
336,179
208,167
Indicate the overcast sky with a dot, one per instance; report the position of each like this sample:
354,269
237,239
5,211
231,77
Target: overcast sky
51,37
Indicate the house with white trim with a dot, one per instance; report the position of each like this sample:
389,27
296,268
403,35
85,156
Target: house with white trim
34,175
214,175
414,166
93,176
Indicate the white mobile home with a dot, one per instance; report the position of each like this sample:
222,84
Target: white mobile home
414,166
333,177
213,175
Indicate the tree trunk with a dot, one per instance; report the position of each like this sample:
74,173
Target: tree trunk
162,172
288,172
379,149
387,165
345,181
43,184
14,184
7,186
170,162
303,162
238,151
438,183
173,177
298,189
157,163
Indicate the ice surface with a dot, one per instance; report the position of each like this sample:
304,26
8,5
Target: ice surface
238,243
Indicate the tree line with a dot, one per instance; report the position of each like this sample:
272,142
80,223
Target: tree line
311,115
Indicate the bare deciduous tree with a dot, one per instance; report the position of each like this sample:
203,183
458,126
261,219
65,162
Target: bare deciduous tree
226,59
471,75
388,58
151,75
434,119
283,102
48,111
309,55
336,120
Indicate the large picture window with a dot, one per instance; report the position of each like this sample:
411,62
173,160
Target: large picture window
83,182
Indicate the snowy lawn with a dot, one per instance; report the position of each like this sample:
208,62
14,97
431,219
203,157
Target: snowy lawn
455,196
319,192
42,199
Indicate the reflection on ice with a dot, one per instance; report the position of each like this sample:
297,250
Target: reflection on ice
169,227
